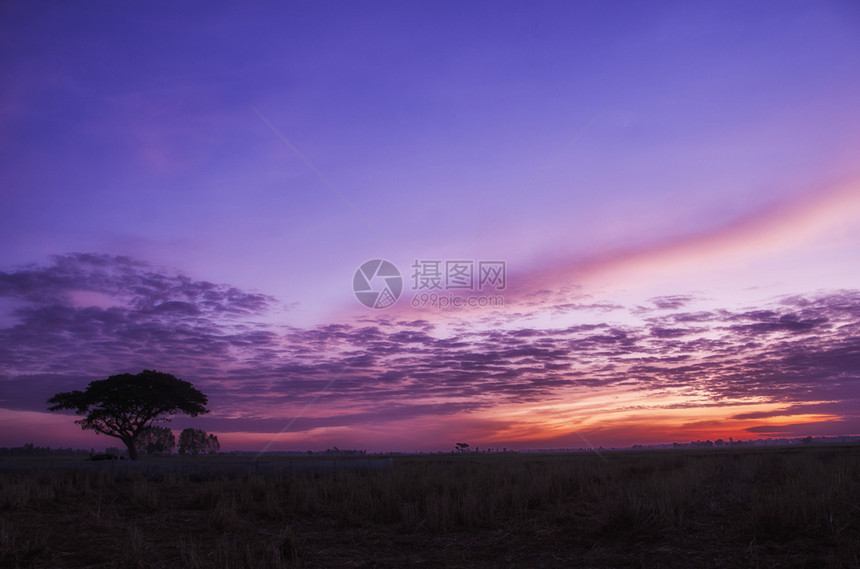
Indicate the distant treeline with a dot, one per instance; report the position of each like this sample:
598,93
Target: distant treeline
344,452
30,450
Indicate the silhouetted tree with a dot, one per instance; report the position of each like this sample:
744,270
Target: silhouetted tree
125,406
196,441
156,440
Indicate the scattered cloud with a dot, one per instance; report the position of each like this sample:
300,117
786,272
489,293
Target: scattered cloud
800,352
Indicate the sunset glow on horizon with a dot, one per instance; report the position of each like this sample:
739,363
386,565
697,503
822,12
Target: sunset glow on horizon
673,191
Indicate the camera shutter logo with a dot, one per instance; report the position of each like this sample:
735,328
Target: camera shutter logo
377,283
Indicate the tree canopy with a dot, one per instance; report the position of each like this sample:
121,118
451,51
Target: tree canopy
126,405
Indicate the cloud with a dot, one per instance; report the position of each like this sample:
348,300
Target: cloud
784,225
671,302
797,351
818,428
141,287
154,317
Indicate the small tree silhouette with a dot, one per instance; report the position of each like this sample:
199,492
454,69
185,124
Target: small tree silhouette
462,447
156,440
197,441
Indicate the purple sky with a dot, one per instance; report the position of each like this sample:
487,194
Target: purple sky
674,189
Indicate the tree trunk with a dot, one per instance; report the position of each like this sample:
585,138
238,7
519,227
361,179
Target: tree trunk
132,448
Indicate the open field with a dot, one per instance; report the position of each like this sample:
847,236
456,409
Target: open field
775,507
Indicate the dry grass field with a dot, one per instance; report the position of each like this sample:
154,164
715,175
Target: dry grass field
739,507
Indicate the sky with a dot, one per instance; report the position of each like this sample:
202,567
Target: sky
604,223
